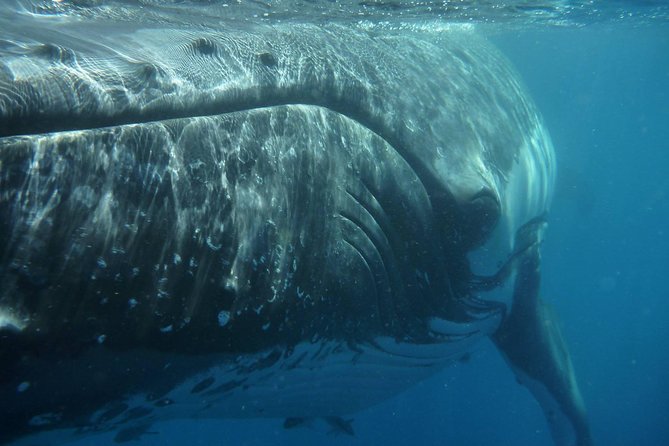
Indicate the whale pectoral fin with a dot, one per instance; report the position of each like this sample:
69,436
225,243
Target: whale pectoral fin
531,342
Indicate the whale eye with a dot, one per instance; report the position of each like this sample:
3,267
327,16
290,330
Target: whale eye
479,216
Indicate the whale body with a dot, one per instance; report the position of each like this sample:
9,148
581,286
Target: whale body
271,220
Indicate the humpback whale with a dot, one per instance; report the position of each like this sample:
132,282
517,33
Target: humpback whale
269,220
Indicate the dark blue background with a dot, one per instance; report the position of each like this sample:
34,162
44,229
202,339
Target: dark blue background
604,92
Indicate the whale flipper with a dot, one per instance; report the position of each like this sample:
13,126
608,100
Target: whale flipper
531,342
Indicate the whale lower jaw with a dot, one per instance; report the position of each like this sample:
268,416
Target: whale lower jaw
312,380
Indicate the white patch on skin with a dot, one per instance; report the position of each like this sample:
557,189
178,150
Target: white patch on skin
223,318
44,419
455,330
10,322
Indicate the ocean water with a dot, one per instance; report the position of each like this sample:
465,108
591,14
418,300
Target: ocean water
599,73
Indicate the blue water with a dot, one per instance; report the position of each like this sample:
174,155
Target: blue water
604,92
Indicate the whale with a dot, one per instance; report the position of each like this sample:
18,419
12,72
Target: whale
207,219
